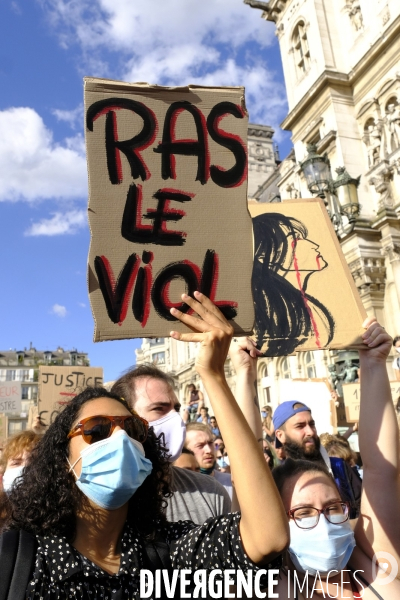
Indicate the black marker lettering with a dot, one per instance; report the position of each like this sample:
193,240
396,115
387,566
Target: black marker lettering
169,146
235,175
132,147
132,228
116,294
159,293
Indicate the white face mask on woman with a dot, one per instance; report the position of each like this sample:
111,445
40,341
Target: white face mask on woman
174,430
9,477
326,547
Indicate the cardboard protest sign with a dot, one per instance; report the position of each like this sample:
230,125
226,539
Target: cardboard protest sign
167,205
304,294
352,395
316,394
351,398
58,385
10,397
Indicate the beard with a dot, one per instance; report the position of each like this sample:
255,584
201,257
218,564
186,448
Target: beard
298,451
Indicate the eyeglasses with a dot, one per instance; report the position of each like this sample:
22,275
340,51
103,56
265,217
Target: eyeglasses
307,517
95,429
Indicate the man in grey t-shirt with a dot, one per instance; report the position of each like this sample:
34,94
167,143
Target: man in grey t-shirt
150,392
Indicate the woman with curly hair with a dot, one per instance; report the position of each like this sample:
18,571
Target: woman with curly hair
92,492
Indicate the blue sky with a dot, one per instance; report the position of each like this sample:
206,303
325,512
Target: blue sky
47,46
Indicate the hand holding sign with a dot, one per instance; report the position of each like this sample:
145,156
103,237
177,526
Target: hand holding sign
212,330
378,342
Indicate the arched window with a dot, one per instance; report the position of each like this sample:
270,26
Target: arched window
285,369
300,46
392,101
309,365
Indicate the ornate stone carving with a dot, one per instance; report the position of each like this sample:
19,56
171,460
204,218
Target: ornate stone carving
392,250
392,124
294,193
262,131
354,11
369,274
382,184
386,15
396,165
257,4
373,139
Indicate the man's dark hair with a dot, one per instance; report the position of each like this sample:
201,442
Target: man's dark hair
125,388
291,468
396,339
46,499
187,451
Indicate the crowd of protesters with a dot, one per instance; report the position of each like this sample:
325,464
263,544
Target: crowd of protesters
121,477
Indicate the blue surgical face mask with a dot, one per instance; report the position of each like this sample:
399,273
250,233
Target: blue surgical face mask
263,414
112,470
326,547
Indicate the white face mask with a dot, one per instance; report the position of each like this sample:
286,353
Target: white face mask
174,430
397,350
9,477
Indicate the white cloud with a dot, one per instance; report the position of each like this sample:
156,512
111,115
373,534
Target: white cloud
73,117
141,25
82,304
59,224
175,42
59,310
32,165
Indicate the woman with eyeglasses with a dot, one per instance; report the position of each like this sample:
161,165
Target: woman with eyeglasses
329,556
323,541
92,493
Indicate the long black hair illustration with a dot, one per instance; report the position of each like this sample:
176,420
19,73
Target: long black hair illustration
285,315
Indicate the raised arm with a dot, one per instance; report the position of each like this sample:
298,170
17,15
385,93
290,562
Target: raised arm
378,527
243,354
262,538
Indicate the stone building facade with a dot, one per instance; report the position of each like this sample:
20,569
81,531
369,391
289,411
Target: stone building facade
23,366
341,63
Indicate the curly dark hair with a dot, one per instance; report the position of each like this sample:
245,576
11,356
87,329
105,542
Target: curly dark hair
46,499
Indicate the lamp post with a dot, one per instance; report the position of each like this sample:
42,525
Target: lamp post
317,171
344,206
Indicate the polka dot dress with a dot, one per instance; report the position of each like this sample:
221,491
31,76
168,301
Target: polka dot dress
61,572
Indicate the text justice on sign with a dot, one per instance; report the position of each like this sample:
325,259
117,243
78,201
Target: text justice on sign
117,291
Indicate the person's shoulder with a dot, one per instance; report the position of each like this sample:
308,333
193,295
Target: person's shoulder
185,480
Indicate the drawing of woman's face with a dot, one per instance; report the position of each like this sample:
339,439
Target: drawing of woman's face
304,255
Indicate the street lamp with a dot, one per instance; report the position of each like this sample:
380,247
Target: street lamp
344,206
317,171
345,188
